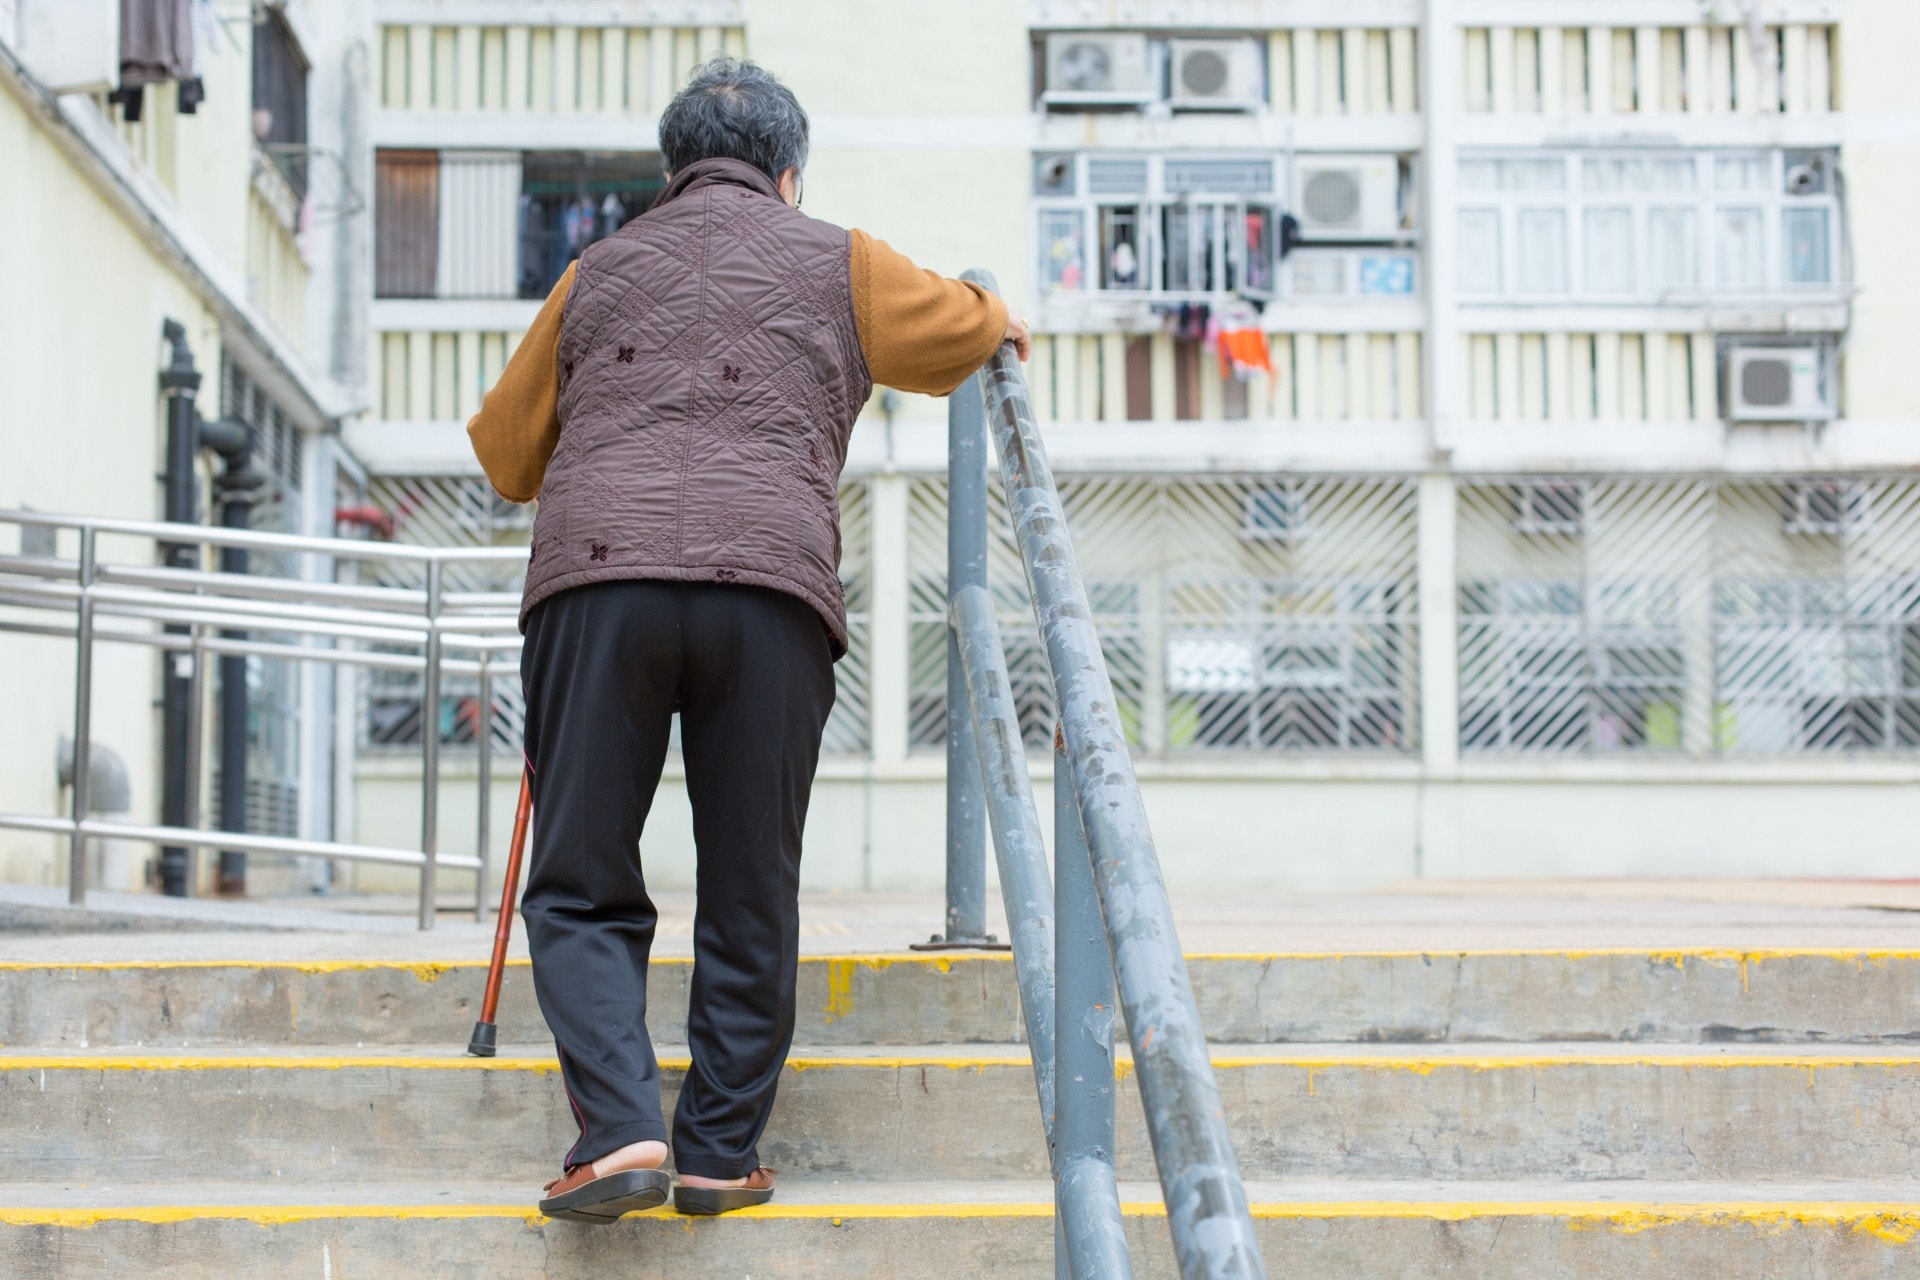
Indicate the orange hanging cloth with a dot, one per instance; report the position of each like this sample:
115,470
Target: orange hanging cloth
1242,351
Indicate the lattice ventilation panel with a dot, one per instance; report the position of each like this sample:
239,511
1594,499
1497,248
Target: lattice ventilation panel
1776,617
1248,614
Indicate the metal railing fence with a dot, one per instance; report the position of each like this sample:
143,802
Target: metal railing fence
1108,913
1689,616
195,614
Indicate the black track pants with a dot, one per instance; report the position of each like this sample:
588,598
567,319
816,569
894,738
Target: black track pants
605,667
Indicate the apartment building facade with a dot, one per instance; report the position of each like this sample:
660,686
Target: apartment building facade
1482,421
1485,425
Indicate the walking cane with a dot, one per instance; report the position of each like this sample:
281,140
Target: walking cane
484,1032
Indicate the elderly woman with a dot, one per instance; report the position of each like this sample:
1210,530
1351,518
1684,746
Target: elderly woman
681,408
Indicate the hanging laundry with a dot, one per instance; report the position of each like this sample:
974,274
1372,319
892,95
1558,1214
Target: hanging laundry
1244,352
1191,321
613,215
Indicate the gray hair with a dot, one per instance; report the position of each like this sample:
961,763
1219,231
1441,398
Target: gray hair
734,110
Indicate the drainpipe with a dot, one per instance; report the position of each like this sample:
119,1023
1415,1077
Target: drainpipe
236,487
179,384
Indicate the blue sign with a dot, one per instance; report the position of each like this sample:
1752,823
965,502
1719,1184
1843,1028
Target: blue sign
1389,276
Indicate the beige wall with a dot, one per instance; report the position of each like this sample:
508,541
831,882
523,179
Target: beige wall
80,431
1875,79
949,203
1301,827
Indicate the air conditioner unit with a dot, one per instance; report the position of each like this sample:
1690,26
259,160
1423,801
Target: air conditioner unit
1808,173
1277,513
1221,74
1347,197
70,46
1543,507
1099,67
1778,384
1826,507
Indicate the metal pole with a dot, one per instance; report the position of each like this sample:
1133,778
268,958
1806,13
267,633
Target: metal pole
1087,1197
1207,1212
483,753
82,722
179,386
236,486
430,753
966,923
1020,851
196,730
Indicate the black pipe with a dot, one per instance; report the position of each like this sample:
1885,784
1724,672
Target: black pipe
236,485
179,384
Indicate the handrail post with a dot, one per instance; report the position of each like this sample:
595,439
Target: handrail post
196,731
82,720
483,754
1086,1194
966,922
430,753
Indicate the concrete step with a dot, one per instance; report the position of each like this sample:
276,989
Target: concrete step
851,1231
1695,996
1564,1112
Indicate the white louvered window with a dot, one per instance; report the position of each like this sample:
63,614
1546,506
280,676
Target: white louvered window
1648,227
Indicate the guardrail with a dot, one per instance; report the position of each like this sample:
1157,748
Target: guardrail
194,614
1108,911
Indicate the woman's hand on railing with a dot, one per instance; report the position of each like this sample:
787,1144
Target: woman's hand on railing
1017,334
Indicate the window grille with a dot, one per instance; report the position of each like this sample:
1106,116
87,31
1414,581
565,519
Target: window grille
1237,614
1689,617
280,95
273,684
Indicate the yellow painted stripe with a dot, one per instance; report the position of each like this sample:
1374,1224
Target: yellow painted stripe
430,970
1892,1222
1415,1062
1678,956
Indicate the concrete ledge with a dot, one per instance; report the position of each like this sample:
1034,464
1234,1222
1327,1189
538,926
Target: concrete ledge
37,909
1677,997
1329,1231
1581,1113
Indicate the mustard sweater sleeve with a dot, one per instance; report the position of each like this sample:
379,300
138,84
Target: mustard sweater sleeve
920,330
519,421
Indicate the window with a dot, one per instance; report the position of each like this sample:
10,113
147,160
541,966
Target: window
570,200
489,224
1638,228
280,96
1185,225
1063,249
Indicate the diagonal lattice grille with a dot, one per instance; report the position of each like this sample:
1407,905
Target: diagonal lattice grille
1235,613
1694,617
1817,617
846,732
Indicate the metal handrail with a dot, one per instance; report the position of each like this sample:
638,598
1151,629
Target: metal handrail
1110,912
211,613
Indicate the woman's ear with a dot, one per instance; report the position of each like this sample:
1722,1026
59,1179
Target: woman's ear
790,186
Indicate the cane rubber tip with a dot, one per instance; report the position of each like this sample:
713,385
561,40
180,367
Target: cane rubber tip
485,1037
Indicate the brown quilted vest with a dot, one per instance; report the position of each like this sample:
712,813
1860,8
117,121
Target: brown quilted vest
710,373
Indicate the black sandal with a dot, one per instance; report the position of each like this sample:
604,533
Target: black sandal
707,1201
602,1201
